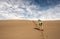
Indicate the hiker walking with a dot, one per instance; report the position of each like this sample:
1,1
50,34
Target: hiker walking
40,25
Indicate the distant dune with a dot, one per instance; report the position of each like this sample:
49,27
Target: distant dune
24,29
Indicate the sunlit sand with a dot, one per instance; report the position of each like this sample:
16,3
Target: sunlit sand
24,29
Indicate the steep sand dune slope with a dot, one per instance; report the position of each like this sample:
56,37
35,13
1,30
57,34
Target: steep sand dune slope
24,29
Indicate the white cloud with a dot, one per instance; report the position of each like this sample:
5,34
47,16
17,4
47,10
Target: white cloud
52,13
23,10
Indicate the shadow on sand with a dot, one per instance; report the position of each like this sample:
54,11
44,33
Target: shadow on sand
37,28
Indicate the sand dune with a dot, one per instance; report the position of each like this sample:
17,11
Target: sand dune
24,29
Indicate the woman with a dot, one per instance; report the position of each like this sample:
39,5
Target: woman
40,25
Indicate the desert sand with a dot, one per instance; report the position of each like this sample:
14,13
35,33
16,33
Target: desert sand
24,29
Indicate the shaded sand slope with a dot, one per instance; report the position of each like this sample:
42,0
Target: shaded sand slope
24,29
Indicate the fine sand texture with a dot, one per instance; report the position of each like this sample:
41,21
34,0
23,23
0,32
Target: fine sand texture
24,29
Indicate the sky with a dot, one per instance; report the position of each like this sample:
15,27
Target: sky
30,9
